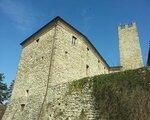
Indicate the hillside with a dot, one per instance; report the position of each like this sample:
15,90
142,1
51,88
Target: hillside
119,96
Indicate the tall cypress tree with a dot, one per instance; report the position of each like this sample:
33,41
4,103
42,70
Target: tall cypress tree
3,89
10,89
148,60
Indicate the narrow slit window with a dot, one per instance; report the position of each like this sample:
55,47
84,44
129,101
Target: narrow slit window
88,49
74,40
87,66
27,91
66,52
87,70
37,40
22,106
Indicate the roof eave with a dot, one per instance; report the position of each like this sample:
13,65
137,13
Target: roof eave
50,23
55,21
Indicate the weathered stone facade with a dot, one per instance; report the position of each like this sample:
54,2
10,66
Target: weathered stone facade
52,57
32,77
129,45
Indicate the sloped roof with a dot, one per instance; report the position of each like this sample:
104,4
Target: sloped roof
52,22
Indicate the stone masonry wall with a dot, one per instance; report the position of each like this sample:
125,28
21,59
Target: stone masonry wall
69,63
49,60
70,60
31,80
63,104
129,45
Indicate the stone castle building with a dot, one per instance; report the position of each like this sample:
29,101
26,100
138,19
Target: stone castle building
56,54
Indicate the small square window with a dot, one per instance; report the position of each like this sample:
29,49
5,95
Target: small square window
88,49
74,40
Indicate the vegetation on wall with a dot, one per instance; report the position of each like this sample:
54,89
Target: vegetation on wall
78,85
120,96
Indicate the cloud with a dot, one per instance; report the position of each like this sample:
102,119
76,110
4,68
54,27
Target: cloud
87,18
20,15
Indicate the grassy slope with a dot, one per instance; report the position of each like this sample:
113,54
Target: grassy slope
120,96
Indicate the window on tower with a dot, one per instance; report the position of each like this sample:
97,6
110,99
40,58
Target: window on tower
22,106
74,40
122,26
130,25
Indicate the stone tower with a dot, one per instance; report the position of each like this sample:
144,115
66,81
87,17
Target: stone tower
129,46
54,55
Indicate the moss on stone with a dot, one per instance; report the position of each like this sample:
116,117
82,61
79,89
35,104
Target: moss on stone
77,85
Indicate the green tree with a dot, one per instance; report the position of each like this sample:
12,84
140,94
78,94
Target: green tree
10,89
3,89
148,60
